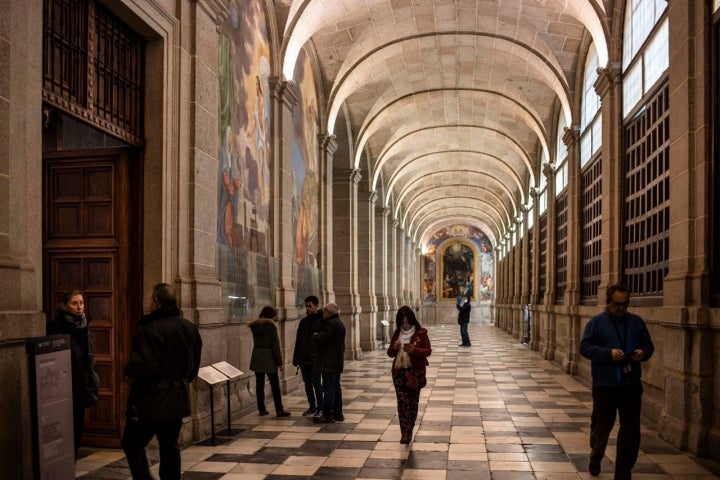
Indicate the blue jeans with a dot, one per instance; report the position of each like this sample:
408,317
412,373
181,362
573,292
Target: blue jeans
464,333
332,404
313,387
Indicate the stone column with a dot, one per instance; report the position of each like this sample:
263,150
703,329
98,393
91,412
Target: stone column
284,98
381,265
609,87
547,340
21,306
392,267
534,255
688,339
401,266
328,146
526,280
345,258
366,267
571,297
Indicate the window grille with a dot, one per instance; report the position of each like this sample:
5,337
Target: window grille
561,210
542,263
647,197
591,185
93,67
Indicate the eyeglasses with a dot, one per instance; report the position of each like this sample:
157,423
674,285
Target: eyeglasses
620,304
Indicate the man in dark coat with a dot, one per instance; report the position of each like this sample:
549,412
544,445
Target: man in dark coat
329,362
616,342
165,358
463,306
304,354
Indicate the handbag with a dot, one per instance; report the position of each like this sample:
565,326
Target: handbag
408,378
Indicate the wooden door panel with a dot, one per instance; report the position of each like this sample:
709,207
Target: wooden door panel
91,220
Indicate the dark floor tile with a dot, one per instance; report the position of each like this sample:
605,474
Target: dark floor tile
201,475
357,445
432,439
391,463
108,473
508,475
426,464
336,472
505,447
540,448
465,465
480,474
547,457
386,473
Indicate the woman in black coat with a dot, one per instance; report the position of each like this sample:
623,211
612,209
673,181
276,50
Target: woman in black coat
266,359
70,320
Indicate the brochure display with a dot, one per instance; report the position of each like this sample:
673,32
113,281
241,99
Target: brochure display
212,375
52,410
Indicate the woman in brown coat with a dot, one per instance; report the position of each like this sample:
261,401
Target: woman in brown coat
410,346
266,359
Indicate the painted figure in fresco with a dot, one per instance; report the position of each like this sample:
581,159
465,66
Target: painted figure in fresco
228,191
258,129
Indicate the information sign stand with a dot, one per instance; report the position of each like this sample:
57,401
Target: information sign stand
386,332
212,375
52,410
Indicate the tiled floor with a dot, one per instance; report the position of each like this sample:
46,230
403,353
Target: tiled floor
492,411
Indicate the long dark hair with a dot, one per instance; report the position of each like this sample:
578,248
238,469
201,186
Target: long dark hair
408,312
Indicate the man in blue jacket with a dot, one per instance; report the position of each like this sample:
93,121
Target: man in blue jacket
616,342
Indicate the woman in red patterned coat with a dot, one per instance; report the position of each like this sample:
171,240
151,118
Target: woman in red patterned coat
410,347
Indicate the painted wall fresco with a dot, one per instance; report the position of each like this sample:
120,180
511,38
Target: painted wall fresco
306,185
244,126
458,272
244,163
482,281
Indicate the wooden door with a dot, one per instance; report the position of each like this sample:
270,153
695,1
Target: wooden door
91,239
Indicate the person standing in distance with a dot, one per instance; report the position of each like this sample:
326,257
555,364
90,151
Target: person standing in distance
330,361
70,320
616,342
463,306
165,358
304,355
266,359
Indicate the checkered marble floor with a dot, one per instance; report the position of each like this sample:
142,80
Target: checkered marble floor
492,411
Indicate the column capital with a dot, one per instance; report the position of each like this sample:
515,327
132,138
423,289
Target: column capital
372,197
284,90
355,176
548,169
571,135
383,211
328,142
608,76
395,223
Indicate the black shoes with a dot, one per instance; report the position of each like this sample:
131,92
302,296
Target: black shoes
339,418
309,411
284,414
263,413
594,468
464,345
405,439
324,419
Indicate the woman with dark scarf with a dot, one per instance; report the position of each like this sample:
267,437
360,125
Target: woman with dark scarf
70,320
410,346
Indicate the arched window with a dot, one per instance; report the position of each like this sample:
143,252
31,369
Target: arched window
591,117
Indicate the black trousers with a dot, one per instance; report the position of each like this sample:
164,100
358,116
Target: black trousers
138,434
260,391
313,387
625,402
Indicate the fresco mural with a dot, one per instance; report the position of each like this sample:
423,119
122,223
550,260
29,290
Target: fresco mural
306,195
458,271
243,177
244,125
449,285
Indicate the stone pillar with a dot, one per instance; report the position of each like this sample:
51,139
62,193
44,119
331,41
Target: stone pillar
345,258
328,146
609,87
516,307
366,267
284,98
21,306
381,265
547,339
571,297
392,267
688,337
401,266
526,280
534,255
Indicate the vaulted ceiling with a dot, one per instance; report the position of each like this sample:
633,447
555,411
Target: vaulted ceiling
453,105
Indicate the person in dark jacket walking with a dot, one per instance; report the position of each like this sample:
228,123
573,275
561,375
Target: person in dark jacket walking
304,355
165,358
266,359
410,347
330,361
70,320
616,342
463,306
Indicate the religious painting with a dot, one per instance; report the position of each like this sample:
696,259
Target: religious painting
244,126
458,271
244,161
306,184
429,296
